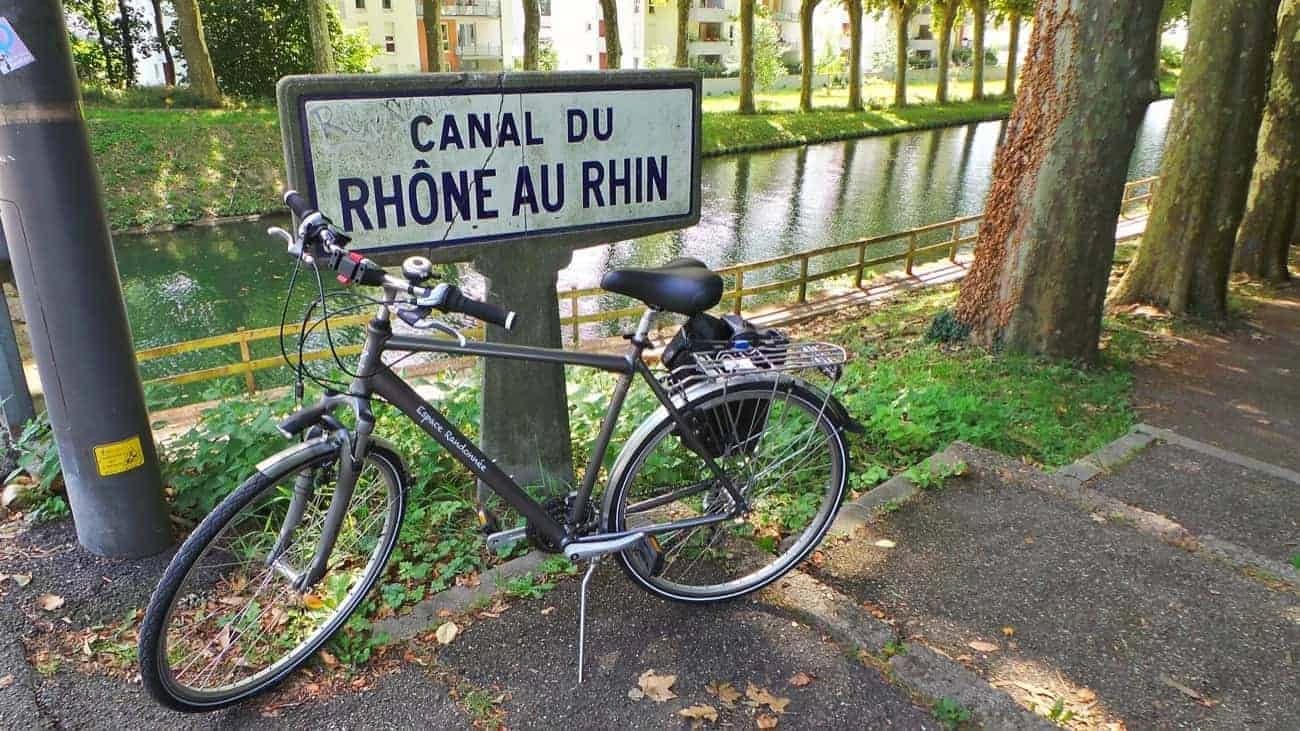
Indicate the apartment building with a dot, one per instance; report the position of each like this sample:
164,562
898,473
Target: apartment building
577,33
390,25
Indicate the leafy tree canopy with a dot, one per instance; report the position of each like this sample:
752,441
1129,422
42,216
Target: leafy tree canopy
768,49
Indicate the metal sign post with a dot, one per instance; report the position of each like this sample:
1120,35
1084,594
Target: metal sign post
53,217
512,171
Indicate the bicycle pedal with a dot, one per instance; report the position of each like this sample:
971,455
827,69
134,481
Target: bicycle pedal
650,554
487,521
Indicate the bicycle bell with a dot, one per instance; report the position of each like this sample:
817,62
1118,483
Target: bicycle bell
416,269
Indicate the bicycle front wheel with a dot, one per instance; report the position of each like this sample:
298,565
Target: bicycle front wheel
226,622
776,441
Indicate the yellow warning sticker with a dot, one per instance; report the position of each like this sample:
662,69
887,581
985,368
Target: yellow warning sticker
115,458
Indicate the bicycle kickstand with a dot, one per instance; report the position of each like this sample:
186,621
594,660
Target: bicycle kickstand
582,613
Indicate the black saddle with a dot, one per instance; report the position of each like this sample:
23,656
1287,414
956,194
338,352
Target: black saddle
685,286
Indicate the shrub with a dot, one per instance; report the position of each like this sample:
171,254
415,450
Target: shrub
1171,57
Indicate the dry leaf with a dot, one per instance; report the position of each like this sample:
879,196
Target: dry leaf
766,720
7,681
444,613
764,697
329,659
982,646
21,579
311,601
446,632
1008,631
725,692
547,610
801,679
884,543
699,713
657,688
49,602
635,694
1190,693
1086,695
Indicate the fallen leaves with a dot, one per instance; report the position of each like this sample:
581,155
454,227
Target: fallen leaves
699,712
1189,692
657,688
766,721
1008,631
6,681
446,633
763,697
725,692
50,602
982,646
20,579
802,679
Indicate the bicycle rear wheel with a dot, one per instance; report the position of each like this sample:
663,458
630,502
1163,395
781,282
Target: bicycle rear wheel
225,624
777,442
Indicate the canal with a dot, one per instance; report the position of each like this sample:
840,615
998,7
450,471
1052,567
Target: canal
208,280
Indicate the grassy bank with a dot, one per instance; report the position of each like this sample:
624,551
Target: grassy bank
173,166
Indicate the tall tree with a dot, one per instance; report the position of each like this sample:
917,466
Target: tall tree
806,10
979,10
532,32
746,56
96,10
1186,253
901,12
432,11
683,59
169,63
322,48
1045,245
198,62
1271,208
128,42
613,49
854,8
946,13
1013,12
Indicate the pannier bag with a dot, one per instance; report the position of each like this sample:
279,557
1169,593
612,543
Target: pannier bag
733,428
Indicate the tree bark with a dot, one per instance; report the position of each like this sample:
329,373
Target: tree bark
1013,50
1045,245
854,8
169,63
101,31
128,43
947,12
746,56
532,32
1269,225
189,23
683,59
1186,253
806,11
902,16
432,11
318,26
613,50
979,11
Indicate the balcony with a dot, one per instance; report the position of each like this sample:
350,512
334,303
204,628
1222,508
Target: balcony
709,11
785,16
472,9
478,50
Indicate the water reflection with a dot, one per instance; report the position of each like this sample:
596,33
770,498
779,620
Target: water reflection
203,281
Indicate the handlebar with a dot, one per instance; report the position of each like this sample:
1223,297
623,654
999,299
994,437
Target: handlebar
316,236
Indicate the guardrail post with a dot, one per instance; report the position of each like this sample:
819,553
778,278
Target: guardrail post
740,291
246,357
803,279
573,312
911,253
862,257
956,236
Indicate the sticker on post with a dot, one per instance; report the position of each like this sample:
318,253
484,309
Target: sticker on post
13,52
115,458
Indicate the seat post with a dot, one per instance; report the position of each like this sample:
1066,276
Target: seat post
643,327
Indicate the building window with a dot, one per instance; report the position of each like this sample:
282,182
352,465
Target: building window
588,58
361,4
446,37
650,7
390,38
924,33
710,31
387,4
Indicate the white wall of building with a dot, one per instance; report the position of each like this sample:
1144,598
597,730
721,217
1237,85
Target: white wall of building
392,26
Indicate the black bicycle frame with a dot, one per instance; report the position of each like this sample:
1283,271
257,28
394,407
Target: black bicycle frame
376,379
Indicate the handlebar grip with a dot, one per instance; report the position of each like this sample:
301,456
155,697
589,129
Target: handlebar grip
299,205
485,311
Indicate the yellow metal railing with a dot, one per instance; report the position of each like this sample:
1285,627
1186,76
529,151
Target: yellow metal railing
954,237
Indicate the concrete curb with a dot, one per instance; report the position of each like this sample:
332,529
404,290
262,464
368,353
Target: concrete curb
457,599
898,489
1068,484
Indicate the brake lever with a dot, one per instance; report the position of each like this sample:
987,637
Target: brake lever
424,323
295,245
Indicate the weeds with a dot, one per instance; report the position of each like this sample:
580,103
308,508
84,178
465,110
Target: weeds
951,713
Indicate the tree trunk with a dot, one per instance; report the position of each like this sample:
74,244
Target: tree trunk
432,11
855,54
746,56
189,23
947,12
613,50
1155,66
683,59
806,54
169,63
318,27
902,16
1013,50
1267,229
128,43
1045,245
101,30
980,11
532,31
1186,253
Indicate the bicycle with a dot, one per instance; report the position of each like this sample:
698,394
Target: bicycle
730,484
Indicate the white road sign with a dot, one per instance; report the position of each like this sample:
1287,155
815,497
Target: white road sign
450,167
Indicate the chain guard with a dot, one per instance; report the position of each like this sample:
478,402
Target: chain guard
558,508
